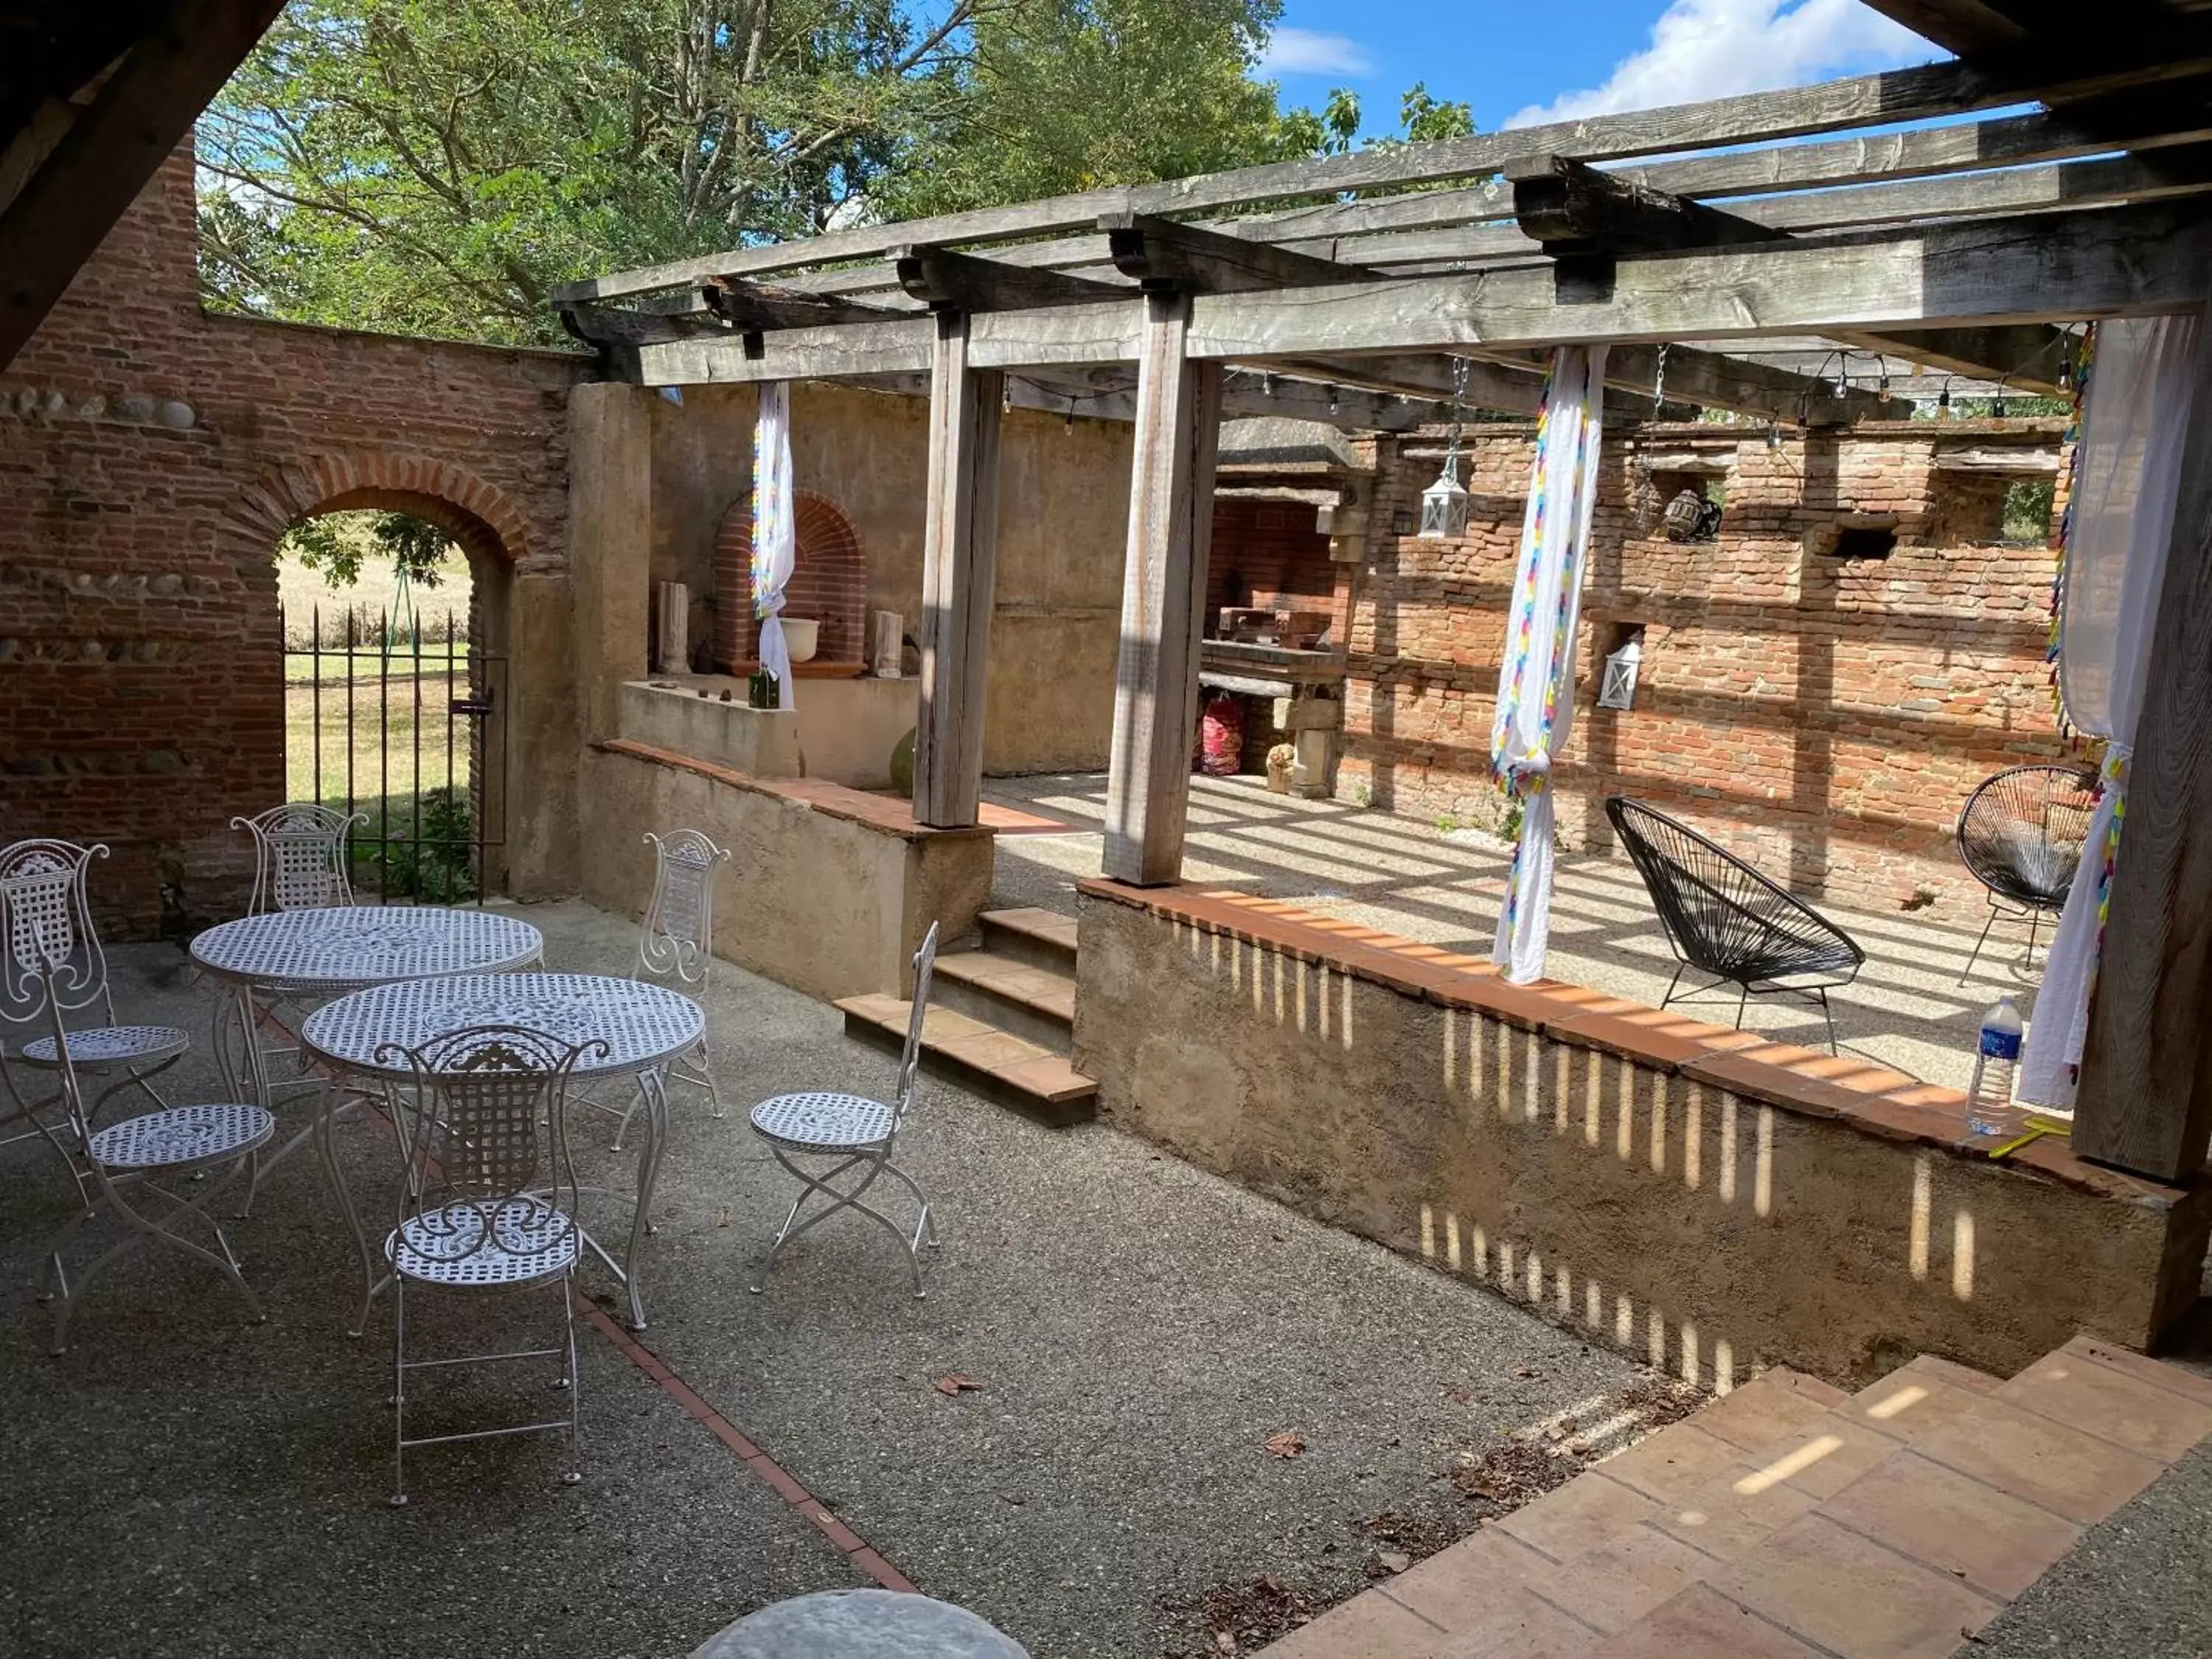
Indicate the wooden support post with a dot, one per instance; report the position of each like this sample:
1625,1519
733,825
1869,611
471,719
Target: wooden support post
960,556
1163,599
2145,1100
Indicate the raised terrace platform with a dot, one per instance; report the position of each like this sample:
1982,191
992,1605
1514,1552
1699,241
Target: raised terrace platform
1709,1198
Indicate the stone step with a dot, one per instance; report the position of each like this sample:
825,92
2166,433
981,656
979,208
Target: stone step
1787,1519
1010,995
996,1065
1038,939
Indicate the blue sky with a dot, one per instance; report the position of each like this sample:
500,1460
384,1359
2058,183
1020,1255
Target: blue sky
1513,58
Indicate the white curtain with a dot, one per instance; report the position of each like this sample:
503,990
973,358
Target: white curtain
775,535
2127,476
1536,681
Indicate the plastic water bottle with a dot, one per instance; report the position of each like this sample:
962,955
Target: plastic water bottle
1989,1108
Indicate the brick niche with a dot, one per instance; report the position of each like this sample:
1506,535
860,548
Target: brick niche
829,582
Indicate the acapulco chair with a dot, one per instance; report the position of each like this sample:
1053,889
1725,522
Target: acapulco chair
2020,836
855,1137
487,1202
675,946
47,932
1723,919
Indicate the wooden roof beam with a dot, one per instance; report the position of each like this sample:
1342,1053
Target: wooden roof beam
1891,98
760,306
2029,36
947,281
2024,356
1164,256
1575,212
1713,380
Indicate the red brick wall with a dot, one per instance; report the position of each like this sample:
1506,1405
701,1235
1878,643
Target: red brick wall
1276,559
1825,717
829,582
150,455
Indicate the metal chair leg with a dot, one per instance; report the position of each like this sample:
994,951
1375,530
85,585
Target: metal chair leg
713,1090
398,1390
575,1382
1984,939
1830,1013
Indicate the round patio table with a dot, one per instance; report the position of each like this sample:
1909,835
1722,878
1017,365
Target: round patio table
642,1025
859,1624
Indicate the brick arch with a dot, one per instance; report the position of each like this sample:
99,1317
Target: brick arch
482,520
828,581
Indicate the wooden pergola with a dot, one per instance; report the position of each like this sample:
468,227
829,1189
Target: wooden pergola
1828,225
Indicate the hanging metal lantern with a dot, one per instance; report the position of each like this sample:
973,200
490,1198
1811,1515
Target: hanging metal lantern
1444,503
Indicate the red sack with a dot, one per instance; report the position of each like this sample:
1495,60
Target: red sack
1221,737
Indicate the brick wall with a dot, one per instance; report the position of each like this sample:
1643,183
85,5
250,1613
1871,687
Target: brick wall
150,455
1267,556
1825,716
829,582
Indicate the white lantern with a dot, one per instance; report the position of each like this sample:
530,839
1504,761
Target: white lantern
1618,689
1443,504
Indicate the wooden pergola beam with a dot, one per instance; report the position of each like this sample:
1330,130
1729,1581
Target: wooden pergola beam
2025,355
944,280
1898,96
760,306
1163,256
1573,210
1712,380
141,112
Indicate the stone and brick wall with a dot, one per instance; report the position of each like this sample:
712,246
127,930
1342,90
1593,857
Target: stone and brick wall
1266,556
1824,715
828,583
150,456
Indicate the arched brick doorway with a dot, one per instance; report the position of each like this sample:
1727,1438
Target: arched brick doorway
828,583
489,533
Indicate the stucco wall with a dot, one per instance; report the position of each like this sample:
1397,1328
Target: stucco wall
1063,495
1676,1218
824,900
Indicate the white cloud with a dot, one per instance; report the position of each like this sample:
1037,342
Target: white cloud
1716,48
1307,51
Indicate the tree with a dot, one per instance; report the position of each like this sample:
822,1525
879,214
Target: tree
335,544
437,165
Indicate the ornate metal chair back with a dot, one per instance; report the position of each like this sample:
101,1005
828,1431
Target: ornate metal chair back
486,1143
300,857
52,957
679,938
925,969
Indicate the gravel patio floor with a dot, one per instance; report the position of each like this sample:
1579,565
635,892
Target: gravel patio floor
183,1483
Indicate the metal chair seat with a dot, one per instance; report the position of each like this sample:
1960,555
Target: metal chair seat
519,1241
98,1046
181,1137
824,1122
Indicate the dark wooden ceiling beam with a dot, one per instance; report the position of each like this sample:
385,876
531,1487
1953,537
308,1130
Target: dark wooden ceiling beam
140,114
1577,212
1163,256
761,305
2024,356
947,281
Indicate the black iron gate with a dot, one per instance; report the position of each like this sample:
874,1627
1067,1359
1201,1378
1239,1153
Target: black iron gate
402,718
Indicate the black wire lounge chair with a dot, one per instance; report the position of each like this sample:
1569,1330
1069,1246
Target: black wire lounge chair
1724,919
2020,836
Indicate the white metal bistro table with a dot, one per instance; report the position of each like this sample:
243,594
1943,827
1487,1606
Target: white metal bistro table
327,953
643,1025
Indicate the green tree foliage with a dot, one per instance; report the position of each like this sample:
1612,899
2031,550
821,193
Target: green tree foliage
335,544
437,165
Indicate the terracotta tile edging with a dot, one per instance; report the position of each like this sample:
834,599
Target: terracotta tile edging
884,813
1860,1095
856,1549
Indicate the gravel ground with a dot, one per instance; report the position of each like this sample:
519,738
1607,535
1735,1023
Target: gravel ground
1907,1010
2134,1585
183,1483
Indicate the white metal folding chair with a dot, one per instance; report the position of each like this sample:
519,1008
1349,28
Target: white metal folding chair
677,943
488,1200
45,916
120,1169
301,858
301,854
855,1136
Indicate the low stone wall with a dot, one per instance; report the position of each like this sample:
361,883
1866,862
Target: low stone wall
829,889
843,731
1702,1196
